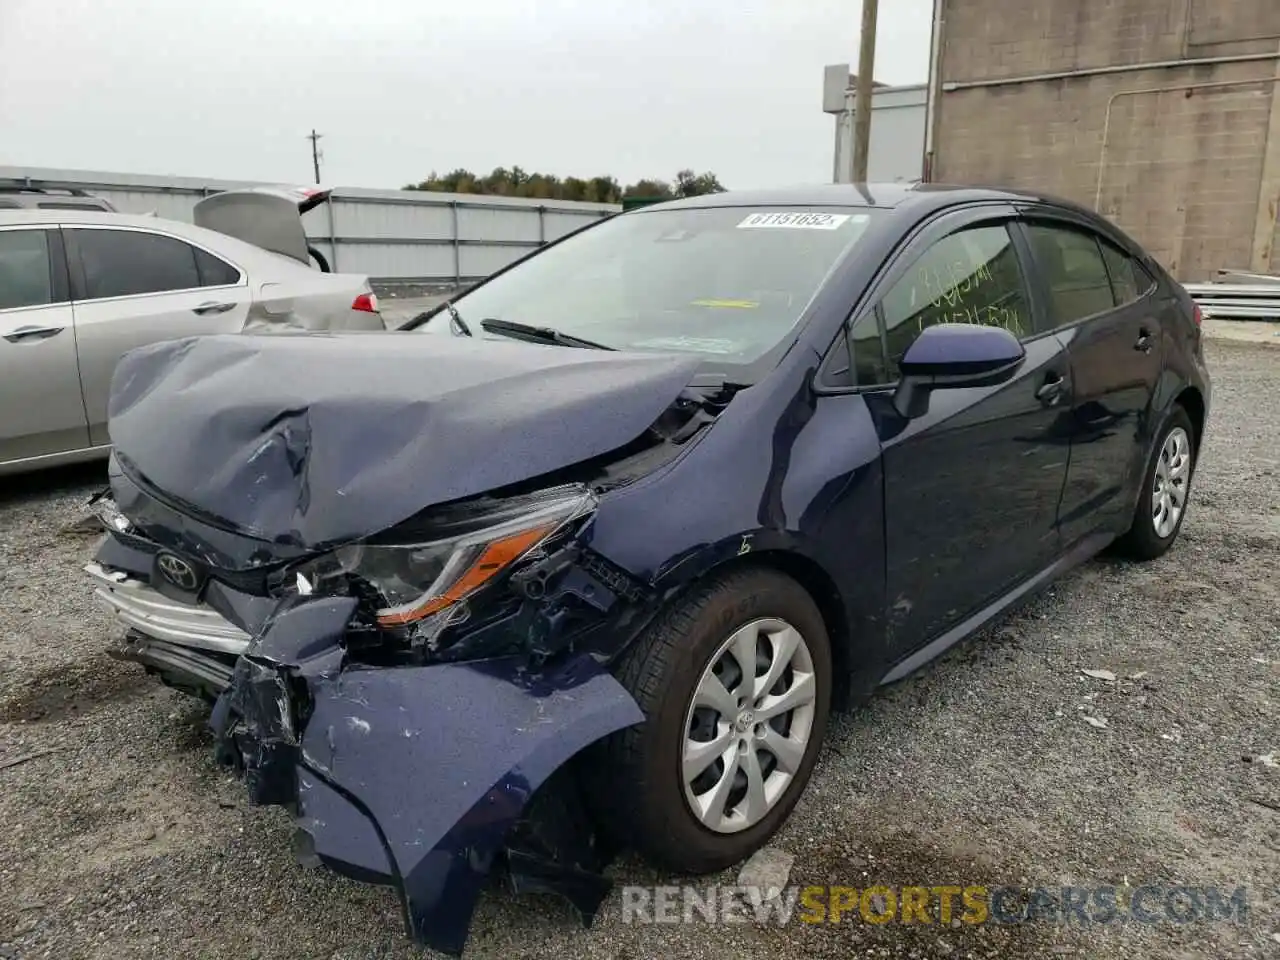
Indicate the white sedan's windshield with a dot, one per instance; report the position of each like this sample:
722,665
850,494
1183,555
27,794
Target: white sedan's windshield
727,282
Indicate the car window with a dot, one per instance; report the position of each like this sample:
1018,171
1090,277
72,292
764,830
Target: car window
1073,269
1129,278
971,276
25,277
120,263
214,272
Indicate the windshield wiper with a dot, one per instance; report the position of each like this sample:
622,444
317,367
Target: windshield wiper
455,320
528,331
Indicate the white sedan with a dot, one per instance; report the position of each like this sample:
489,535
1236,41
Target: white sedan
79,288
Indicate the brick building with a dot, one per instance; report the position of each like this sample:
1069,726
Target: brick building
1162,114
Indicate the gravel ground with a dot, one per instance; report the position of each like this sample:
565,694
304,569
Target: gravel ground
122,839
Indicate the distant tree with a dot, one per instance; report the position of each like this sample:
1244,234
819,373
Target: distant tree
649,189
516,182
689,184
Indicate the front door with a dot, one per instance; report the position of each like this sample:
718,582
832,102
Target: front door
971,487
1111,328
40,408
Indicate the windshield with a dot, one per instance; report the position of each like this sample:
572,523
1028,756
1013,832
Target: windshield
726,282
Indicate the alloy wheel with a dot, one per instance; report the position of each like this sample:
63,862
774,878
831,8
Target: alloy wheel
1171,483
748,725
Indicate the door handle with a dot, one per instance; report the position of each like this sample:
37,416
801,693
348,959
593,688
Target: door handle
33,333
212,307
1050,391
1144,342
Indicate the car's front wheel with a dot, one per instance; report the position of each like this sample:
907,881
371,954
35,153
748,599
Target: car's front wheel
1166,490
735,684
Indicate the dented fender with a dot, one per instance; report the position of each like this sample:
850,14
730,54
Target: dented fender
440,762
414,776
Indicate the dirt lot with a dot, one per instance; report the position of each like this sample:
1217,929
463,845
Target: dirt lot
122,839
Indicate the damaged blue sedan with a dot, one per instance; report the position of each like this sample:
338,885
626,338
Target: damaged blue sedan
585,558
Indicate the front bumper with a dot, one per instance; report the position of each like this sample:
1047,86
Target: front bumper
190,646
140,607
421,777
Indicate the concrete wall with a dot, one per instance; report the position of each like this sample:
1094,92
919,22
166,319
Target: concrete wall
386,234
1162,114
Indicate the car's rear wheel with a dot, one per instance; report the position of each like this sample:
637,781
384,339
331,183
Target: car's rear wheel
1166,490
735,684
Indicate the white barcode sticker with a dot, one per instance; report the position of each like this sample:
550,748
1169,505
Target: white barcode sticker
795,221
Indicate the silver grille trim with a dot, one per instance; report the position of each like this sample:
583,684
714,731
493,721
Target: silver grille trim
140,607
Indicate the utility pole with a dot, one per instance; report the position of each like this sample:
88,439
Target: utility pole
315,151
862,104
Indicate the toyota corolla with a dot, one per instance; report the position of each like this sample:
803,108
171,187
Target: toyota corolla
586,557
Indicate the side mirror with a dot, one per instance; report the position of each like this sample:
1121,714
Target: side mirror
950,355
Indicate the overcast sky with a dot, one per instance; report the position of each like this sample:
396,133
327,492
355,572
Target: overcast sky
230,88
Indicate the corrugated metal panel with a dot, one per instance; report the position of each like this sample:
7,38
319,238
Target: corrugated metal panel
481,261
558,224
397,261
503,225
386,234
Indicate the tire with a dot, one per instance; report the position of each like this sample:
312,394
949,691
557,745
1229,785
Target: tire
1146,539
637,787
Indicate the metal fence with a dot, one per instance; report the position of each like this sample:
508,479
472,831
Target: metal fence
1238,295
390,235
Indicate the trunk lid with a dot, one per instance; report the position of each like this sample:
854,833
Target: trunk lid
267,217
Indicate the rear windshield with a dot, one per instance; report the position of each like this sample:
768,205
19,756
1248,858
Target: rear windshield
726,282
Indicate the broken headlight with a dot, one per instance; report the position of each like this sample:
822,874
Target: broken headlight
422,570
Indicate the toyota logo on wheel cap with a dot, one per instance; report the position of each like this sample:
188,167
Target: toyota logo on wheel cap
177,571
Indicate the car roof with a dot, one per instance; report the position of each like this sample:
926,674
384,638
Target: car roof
230,246
62,216
264,263
920,198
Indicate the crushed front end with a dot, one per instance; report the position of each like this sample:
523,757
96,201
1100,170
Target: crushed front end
415,699
373,554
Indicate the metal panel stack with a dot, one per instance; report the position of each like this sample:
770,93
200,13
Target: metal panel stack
1238,295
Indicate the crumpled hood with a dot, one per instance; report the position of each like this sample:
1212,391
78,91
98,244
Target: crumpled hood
317,439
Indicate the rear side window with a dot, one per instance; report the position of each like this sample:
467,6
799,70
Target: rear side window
25,276
971,276
214,272
121,263
1073,269
1129,278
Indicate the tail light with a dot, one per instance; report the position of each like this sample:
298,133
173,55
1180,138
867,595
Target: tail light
366,302
1196,314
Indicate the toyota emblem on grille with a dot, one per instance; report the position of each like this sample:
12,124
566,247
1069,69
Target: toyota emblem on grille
177,571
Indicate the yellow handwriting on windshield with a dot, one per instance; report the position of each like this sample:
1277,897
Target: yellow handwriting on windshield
735,304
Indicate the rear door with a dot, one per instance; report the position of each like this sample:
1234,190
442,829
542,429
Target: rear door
41,412
971,488
133,287
1101,305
